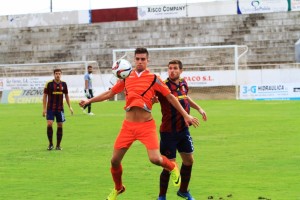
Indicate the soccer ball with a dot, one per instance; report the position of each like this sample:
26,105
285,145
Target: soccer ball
121,68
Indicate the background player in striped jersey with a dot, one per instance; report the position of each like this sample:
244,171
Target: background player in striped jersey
53,107
174,132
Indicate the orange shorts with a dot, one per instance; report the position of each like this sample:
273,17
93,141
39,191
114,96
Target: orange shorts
145,132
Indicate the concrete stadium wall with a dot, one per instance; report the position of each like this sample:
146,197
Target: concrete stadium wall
270,37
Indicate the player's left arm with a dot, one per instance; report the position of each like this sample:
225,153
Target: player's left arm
189,120
45,98
194,105
68,98
69,104
162,88
86,88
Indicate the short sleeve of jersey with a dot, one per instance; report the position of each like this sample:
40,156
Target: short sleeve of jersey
186,86
86,77
46,88
65,89
119,86
161,87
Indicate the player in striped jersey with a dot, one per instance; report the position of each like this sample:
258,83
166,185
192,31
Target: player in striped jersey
174,132
53,107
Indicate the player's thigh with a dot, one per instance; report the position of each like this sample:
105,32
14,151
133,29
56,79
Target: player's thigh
60,116
185,142
146,134
125,137
50,117
168,145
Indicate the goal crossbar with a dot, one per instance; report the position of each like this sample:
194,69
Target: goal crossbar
237,55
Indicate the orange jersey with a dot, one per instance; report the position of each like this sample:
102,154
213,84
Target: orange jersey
138,89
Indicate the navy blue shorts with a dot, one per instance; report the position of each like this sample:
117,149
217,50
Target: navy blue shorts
58,115
170,142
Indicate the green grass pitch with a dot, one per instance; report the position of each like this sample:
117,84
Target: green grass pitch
246,150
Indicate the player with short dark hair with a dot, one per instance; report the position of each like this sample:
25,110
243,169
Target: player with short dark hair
140,86
53,107
88,88
174,133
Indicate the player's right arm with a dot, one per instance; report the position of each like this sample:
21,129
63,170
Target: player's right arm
45,98
101,97
117,88
44,104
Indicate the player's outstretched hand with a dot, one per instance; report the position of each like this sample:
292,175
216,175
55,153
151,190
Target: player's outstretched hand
190,120
83,102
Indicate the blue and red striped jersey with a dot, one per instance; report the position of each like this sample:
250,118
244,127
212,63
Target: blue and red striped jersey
55,92
172,120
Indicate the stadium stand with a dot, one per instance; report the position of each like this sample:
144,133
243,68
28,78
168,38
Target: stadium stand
271,38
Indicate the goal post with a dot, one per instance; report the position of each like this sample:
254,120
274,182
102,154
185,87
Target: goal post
211,71
24,83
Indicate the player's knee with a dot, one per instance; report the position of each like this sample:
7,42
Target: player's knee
155,160
188,162
115,163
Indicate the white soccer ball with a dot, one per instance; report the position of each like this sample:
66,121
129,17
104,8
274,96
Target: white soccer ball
121,68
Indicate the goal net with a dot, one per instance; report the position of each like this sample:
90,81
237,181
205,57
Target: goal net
24,83
210,71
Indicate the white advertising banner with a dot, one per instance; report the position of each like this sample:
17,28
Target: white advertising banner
25,83
295,5
262,6
162,11
212,8
279,91
206,78
254,84
245,77
31,89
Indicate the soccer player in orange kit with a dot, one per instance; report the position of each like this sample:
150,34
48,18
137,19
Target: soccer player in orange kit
140,87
